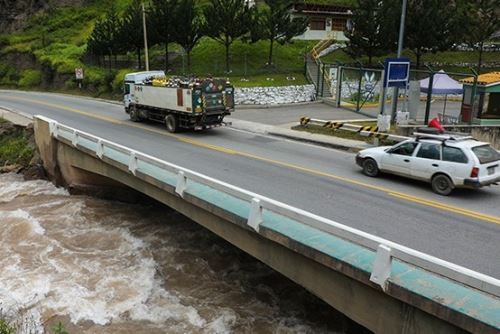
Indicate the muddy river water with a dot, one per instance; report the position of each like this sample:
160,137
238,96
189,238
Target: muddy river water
108,267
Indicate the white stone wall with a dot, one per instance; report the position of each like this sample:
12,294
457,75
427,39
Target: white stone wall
275,95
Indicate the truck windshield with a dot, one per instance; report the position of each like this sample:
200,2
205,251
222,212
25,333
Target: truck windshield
486,153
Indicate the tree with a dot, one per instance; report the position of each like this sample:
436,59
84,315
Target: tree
371,31
483,20
105,37
431,26
227,20
191,30
132,33
163,19
275,23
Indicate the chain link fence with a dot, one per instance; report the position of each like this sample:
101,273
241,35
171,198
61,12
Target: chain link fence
429,93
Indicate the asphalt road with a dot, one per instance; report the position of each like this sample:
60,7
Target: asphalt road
463,229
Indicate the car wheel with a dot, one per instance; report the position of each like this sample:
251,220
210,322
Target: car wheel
171,123
442,185
370,167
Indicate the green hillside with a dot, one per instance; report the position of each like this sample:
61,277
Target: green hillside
45,54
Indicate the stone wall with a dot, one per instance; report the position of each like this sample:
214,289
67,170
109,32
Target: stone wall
275,95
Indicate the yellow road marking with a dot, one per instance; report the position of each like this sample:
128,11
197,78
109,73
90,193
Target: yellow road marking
58,106
446,207
403,196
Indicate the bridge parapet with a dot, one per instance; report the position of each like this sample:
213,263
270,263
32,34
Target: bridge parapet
443,297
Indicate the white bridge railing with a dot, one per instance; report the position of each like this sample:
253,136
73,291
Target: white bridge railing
385,249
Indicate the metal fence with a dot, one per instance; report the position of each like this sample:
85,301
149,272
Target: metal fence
360,89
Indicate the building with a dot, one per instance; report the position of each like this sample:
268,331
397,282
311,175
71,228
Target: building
327,20
487,111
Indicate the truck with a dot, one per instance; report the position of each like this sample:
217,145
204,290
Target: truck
179,103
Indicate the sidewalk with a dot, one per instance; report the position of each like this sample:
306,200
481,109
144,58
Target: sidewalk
277,121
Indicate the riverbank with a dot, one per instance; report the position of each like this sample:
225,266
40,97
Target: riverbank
18,153
110,267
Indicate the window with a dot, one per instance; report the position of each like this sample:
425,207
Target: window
429,151
317,24
404,149
454,154
126,88
486,153
338,24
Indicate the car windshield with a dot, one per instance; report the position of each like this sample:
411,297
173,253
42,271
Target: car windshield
486,153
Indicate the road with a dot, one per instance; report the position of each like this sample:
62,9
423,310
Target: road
463,228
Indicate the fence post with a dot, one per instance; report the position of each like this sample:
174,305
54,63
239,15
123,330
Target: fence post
322,80
317,78
339,84
429,96
359,87
473,96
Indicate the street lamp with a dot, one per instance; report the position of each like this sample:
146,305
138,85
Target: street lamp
145,36
400,50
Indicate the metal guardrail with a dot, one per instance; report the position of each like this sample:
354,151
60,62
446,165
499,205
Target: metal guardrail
385,249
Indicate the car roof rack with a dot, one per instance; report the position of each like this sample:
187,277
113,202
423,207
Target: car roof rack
441,137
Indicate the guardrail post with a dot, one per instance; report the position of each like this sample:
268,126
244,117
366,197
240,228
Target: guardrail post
181,183
99,151
53,129
382,266
74,139
132,165
255,216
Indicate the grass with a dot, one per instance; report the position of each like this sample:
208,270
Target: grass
15,149
247,61
346,134
6,328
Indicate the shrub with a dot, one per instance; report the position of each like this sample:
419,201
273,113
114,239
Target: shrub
6,328
118,80
14,148
30,78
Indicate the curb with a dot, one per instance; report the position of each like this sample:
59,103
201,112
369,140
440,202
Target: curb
283,105
336,146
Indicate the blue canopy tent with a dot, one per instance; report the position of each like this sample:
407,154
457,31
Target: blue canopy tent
442,84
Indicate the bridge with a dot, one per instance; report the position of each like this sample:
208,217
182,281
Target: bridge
387,287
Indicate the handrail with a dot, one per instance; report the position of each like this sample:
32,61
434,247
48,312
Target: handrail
386,250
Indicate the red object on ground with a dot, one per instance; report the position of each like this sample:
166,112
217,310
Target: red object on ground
434,123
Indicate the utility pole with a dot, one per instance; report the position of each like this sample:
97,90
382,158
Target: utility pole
400,50
145,37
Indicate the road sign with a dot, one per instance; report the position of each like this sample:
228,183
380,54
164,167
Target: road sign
79,73
397,72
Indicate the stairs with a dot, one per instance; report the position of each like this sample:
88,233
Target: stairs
323,84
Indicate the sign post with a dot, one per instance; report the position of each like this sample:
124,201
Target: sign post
79,76
396,74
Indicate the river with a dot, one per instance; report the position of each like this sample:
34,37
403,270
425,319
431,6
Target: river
108,267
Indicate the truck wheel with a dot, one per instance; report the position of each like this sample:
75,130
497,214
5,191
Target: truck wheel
171,123
134,114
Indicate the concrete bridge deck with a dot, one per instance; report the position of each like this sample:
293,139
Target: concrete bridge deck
385,287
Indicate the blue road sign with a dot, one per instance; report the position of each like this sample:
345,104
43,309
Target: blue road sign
397,72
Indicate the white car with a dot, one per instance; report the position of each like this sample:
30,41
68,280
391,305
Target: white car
447,162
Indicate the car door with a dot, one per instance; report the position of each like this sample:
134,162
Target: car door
455,164
398,159
427,160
